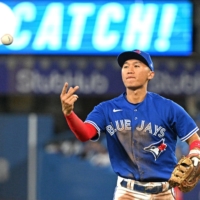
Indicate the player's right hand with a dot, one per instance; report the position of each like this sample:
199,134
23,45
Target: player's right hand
68,98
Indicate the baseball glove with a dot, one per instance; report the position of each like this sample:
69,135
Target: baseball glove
186,174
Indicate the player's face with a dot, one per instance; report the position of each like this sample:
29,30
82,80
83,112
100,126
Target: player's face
136,74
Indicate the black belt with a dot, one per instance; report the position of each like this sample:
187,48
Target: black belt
145,189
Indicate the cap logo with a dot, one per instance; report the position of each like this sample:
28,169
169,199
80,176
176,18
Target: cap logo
137,51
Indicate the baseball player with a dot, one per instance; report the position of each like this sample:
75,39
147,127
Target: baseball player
141,129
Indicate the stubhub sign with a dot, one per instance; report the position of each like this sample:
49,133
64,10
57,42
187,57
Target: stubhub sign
100,28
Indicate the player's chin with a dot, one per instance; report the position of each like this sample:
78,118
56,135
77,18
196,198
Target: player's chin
133,87
130,82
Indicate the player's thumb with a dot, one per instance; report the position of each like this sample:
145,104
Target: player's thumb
75,97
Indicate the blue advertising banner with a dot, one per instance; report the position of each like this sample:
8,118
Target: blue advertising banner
94,75
97,28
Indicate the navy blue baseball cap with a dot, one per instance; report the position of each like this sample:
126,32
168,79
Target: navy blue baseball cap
135,54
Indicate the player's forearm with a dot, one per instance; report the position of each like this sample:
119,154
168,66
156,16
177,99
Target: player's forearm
195,147
81,130
194,141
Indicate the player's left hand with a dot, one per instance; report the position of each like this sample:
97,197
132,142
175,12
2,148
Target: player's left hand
186,174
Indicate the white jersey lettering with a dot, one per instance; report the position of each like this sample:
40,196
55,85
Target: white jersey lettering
141,126
162,133
127,123
157,129
110,130
120,125
148,128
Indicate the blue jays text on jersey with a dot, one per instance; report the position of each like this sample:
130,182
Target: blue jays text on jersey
141,138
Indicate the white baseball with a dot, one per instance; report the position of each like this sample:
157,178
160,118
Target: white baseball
7,39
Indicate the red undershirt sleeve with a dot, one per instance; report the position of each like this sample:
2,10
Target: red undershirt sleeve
82,131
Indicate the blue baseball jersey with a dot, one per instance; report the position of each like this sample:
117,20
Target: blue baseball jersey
141,138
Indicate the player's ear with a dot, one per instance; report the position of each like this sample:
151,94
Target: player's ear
151,75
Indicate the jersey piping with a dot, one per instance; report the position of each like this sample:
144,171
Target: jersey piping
189,134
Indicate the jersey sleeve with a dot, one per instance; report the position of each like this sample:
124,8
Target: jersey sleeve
182,122
97,118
